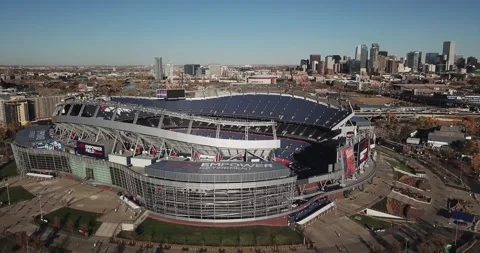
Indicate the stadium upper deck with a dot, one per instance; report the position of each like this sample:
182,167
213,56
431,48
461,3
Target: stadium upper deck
277,107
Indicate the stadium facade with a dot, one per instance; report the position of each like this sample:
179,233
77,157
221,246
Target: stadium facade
221,160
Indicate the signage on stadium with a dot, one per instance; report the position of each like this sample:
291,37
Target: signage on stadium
90,150
233,166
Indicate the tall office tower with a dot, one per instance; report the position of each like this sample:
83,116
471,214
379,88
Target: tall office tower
321,68
336,58
382,64
432,58
354,66
414,60
472,60
190,69
361,55
314,58
358,52
169,72
374,57
449,52
457,56
158,68
391,66
304,62
329,65
383,53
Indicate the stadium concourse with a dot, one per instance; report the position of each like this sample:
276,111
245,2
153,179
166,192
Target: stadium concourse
217,161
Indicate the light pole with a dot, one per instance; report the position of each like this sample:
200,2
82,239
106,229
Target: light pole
456,233
406,244
40,201
8,190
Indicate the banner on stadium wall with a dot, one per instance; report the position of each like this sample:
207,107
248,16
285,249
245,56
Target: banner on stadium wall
349,160
96,151
363,149
175,94
162,94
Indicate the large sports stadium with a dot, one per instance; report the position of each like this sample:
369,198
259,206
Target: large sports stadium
238,159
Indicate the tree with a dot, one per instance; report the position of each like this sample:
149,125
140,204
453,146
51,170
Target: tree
56,223
476,162
84,228
21,239
6,249
37,244
378,249
396,247
70,226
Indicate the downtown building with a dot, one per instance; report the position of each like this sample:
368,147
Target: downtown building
190,69
315,60
158,70
374,58
448,55
414,61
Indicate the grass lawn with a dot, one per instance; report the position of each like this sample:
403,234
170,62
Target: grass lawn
17,194
69,218
400,165
8,170
371,223
156,231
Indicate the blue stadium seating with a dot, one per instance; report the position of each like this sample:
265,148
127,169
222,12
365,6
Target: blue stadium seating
271,107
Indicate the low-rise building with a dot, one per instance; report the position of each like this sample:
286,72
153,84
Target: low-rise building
446,135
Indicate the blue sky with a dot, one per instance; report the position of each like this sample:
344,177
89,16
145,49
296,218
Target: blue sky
214,31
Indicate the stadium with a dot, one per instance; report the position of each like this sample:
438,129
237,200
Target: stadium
214,161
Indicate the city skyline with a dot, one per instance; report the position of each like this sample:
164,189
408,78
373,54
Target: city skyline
90,33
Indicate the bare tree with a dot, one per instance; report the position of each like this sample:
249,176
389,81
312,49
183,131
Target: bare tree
56,223
396,247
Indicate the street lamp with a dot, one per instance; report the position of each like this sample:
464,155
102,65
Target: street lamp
40,201
8,190
456,233
406,244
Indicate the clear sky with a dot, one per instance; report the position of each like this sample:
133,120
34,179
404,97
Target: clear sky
58,32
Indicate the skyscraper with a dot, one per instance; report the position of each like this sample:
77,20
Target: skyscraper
358,52
374,57
191,69
158,68
169,72
449,52
432,58
329,65
361,55
414,60
383,53
314,58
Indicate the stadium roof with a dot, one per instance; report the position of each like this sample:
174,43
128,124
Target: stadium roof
34,135
217,172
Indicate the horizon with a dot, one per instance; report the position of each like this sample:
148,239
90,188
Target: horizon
275,33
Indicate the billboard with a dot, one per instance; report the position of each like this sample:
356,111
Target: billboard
96,151
362,151
175,94
162,94
349,161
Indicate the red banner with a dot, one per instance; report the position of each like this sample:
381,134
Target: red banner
349,160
